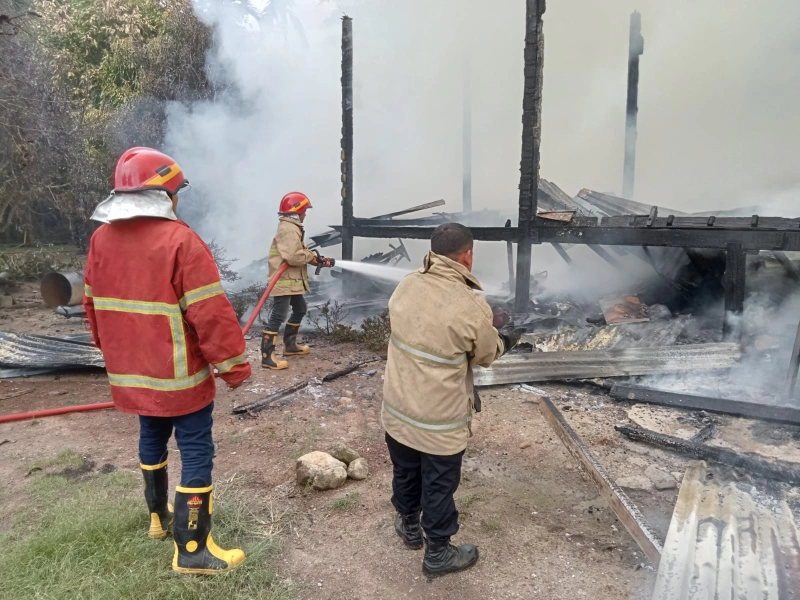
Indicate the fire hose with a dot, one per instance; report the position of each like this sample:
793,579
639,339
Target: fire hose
321,262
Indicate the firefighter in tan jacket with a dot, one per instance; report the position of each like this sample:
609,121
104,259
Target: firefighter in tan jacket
441,328
288,247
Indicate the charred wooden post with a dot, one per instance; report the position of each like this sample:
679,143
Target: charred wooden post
734,284
466,143
531,142
635,50
347,143
794,365
510,253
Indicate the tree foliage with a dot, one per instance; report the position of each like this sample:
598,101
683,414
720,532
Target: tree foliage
81,81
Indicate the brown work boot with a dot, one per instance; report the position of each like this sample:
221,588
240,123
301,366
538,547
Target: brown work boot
290,347
441,558
268,358
407,527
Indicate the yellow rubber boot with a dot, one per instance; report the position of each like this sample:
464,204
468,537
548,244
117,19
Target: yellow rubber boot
156,488
290,347
268,358
195,550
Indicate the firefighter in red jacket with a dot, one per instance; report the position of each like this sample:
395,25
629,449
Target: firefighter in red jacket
158,312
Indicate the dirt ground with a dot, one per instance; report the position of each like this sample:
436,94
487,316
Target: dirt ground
542,529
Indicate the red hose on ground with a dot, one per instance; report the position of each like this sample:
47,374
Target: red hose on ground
54,411
86,407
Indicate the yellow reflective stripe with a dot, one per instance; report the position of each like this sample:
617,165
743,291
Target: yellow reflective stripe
137,306
87,290
154,383
274,252
172,311
153,467
227,365
188,490
201,293
427,425
174,170
427,355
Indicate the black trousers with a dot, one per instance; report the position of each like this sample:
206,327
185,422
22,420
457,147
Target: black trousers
279,310
426,482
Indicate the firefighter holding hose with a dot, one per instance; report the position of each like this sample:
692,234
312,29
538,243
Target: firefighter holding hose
441,328
158,312
288,247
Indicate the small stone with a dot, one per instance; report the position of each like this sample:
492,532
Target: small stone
358,469
56,393
341,452
320,470
678,476
525,444
661,479
635,482
367,395
345,402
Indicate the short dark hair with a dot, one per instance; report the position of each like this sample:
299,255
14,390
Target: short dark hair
451,240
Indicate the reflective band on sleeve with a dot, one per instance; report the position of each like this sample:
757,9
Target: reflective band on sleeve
201,293
426,355
286,282
87,290
274,252
164,385
227,365
434,427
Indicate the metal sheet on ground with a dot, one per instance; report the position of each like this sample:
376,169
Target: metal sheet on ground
24,354
729,539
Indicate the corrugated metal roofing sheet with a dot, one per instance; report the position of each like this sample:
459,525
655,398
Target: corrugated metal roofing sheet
729,540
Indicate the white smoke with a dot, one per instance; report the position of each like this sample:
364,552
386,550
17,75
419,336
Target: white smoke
717,124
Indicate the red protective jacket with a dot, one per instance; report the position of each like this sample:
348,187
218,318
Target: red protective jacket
159,314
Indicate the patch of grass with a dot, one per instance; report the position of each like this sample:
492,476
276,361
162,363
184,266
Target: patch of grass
68,459
465,502
492,524
237,438
87,539
346,502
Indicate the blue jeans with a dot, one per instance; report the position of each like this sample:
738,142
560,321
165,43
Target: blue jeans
193,435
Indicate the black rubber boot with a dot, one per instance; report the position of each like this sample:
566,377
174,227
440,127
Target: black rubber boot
290,347
268,359
407,527
195,550
442,558
156,491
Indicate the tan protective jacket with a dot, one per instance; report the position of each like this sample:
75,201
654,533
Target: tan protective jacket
288,246
441,327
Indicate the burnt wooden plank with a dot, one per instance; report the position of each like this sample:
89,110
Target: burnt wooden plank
794,365
347,142
630,516
778,470
725,406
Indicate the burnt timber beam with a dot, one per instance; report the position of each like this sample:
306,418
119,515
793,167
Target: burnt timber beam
738,408
626,511
510,256
347,141
604,254
750,239
531,141
635,50
794,365
466,139
778,470
563,253
734,283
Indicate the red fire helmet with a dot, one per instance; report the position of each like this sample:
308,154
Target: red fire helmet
295,202
147,169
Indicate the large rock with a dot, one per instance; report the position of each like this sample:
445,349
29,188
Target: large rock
358,469
320,470
341,452
635,482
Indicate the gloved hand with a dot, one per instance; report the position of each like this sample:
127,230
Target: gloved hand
327,261
510,337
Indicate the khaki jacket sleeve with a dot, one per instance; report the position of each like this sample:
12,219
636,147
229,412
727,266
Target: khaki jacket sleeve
488,345
292,249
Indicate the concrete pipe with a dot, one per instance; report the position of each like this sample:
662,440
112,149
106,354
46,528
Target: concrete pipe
62,289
